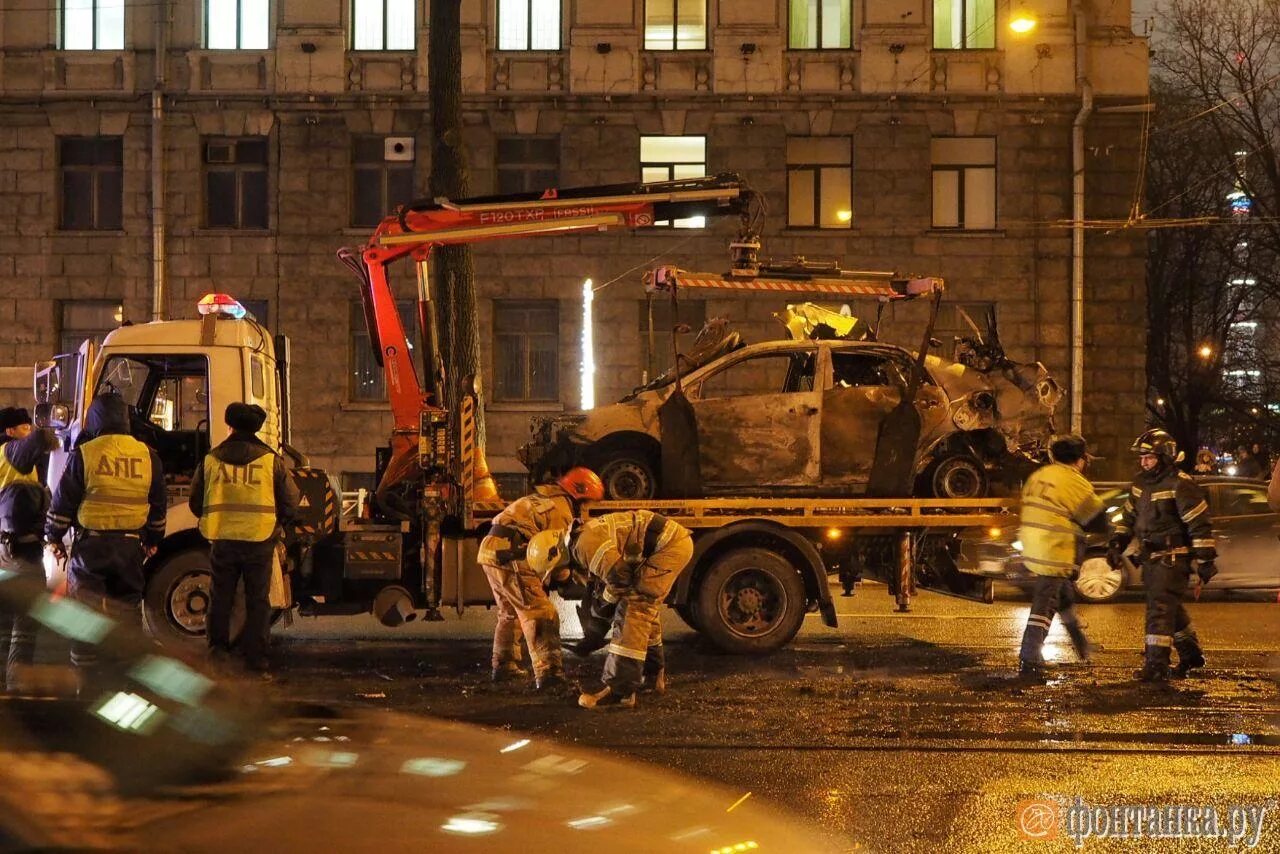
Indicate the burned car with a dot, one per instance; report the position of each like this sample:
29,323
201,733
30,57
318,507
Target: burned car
802,417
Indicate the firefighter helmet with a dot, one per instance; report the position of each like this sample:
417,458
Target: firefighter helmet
581,483
548,551
1068,448
1159,443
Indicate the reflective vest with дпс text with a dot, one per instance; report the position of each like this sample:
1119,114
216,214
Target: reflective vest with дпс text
239,500
1056,502
117,484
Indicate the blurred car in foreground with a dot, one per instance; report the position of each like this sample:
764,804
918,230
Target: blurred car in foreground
1247,531
165,758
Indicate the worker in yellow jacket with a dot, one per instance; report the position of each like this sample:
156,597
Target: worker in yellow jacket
1058,506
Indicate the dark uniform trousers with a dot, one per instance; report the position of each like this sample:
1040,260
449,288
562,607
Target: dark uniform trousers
105,574
1165,580
18,629
234,561
1052,596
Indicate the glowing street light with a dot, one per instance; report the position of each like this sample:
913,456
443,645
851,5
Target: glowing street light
1022,23
1205,351
588,387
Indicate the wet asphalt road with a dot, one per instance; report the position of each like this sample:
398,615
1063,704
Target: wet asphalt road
895,732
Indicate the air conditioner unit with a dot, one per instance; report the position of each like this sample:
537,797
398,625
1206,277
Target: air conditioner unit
220,152
397,148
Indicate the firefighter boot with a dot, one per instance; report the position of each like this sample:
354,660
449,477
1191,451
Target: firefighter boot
551,682
507,671
1190,655
1155,666
606,698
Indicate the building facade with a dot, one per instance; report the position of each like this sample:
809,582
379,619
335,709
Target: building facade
922,136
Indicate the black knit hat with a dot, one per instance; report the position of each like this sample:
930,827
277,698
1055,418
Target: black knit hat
245,417
13,416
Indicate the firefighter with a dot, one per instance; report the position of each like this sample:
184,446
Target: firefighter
636,556
1058,506
112,494
522,602
1167,512
24,454
243,497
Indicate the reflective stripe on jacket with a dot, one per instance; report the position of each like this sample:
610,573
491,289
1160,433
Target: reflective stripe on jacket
117,474
239,500
1057,501
9,473
548,507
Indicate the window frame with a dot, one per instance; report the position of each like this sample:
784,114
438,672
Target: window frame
675,27
670,165
497,30
961,169
94,8
526,396
356,329
386,18
239,170
816,170
205,45
524,168
852,27
385,168
963,6
94,171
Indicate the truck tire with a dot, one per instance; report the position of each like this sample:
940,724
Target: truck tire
177,599
749,602
688,614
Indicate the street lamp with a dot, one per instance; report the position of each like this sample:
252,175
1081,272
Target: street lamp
1205,351
1022,23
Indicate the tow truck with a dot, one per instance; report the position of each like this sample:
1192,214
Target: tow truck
760,565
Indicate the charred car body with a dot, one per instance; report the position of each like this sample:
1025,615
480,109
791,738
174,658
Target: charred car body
802,416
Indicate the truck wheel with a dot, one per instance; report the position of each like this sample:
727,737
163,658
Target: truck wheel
628,476
960,476
750,601
177,600
689,614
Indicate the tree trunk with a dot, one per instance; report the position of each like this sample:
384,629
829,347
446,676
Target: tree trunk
454,275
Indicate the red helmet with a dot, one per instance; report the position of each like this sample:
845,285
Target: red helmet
582,482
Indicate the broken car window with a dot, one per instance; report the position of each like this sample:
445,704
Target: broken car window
864,369
771,373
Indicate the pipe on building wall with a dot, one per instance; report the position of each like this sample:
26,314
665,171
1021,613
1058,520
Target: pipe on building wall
158,295
1077,215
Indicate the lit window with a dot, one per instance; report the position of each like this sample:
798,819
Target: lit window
964,182
237,24
235,182
675,25
381,177
92,176
92,25
367,381
528,24
526,350
964,24
819,182
527,163
382,25
674,158
820,24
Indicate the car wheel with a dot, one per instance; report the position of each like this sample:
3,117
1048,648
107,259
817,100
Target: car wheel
960,476
750,601
628,476
1097,581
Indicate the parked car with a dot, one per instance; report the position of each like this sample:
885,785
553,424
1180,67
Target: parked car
801,417
1246,529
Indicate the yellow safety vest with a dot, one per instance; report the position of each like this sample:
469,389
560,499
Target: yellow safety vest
9,473
239,500
1056,501
117,484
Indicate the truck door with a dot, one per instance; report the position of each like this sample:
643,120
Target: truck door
757,420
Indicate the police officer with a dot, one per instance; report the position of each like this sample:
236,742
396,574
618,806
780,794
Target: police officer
637,556
1058,506
112,493
1167,512
242,495
522,602
24,454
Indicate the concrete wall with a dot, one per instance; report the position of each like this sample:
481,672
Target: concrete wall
889,94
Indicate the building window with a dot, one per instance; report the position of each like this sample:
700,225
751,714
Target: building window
235,182
675,25
526,350
528,24
657,350
367,381
964,182
237,24
964,24
820,24
92,177
382,25
673,158
92,25
381,177
527,163
819,182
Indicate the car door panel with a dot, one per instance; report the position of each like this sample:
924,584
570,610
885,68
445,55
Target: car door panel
762,439
1245,532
